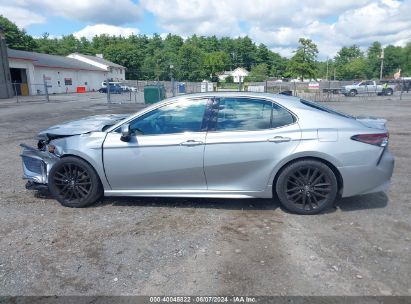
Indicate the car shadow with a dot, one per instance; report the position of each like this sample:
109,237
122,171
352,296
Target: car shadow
363,202
359,202
214,203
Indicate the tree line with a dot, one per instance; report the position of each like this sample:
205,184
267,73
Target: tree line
198,57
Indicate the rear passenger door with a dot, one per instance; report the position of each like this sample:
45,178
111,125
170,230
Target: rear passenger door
247,137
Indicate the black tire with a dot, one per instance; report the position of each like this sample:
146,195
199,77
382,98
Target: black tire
389,92
307,187
74,183
352,93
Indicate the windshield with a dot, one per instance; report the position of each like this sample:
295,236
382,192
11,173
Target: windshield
321,107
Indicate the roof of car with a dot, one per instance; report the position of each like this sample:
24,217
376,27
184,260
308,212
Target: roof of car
283,99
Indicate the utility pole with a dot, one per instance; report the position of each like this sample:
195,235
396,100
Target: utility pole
382,63
172,80
6,89
327,69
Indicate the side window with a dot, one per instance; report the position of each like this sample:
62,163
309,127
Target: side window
178,117
243,114
281,117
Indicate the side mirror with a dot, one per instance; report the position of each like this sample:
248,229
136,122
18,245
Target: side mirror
125,133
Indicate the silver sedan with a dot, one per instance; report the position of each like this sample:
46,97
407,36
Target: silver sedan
218,145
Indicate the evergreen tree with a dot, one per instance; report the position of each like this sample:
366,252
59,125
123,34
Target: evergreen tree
302,64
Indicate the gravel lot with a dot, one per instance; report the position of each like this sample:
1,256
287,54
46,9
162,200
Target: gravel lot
200,246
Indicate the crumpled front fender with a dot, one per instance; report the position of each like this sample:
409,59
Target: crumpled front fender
36,164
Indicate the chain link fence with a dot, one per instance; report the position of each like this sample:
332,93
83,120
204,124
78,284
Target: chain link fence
132,91
327,91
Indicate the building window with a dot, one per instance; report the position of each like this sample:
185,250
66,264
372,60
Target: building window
121,71
111,70
68,81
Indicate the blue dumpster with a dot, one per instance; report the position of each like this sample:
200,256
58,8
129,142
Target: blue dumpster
181,88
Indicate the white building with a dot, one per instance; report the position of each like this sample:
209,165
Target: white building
115,71
62,74
238,75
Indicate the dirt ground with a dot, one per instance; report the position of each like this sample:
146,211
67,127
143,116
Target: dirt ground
154,246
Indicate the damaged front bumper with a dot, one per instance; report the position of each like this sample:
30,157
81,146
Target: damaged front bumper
36,166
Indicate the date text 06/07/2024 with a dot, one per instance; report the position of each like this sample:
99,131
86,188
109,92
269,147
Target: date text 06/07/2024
202,299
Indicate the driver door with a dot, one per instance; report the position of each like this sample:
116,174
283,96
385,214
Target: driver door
165,151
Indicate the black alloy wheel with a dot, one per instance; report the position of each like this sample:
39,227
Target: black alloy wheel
74,183
307,187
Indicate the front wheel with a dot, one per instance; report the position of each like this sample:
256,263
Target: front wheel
353,93
307,187
74,183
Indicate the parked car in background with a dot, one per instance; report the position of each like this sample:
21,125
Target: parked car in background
114,89
368,87
125,88
128,88
218,145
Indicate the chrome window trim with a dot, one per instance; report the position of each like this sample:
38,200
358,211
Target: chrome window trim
208,97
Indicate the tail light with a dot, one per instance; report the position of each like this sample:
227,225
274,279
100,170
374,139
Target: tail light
379,139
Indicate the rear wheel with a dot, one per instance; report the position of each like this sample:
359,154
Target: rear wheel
307,187
389,92
74,183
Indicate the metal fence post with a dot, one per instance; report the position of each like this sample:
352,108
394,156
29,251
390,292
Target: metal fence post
15,91
46,90
329,96
402,89
108,91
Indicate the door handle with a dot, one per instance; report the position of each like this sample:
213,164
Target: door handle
279,139
191,142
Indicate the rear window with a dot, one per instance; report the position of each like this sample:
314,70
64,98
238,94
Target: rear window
321,107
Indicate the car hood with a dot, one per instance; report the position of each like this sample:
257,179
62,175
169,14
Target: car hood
81,126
